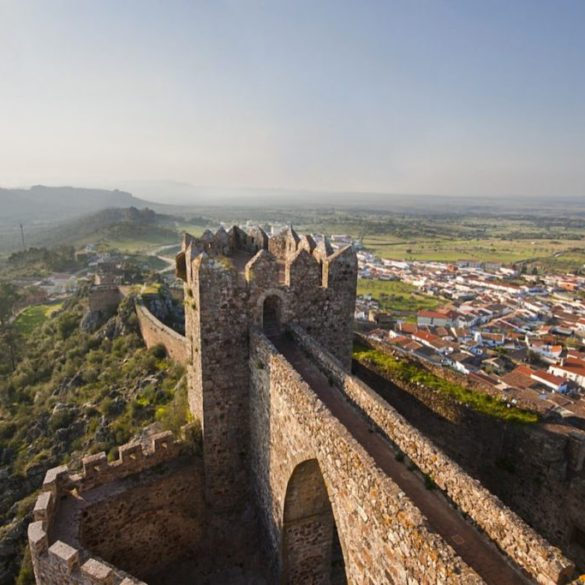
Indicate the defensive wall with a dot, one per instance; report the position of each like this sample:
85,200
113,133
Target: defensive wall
274,453
384,537
134,515
155,332
537,470
104,298
511,534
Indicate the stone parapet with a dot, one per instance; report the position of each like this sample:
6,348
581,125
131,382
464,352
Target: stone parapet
97,470
386,539
61,563
155,332
511,534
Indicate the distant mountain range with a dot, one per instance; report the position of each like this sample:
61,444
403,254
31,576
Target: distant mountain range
185,196
48,204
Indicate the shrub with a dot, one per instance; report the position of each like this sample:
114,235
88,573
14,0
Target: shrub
159,351
410,373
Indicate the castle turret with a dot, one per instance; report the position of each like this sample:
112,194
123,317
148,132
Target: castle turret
235,280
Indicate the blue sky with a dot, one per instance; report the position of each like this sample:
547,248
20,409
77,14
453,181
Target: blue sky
416,96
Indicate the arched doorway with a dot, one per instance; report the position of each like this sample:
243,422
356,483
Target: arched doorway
272,315
311,553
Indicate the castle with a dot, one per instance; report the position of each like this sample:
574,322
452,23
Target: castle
304,475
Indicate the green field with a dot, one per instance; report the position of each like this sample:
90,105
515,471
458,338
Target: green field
553,244
395,295
36,315
570,253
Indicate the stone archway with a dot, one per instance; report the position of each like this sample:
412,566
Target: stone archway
272,315
311,550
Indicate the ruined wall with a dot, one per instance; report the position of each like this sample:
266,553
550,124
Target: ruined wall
384,538
104,298
508,531
537,470
117,509
155,332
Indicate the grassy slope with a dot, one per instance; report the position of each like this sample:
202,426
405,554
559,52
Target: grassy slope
411,373
34,316
71,394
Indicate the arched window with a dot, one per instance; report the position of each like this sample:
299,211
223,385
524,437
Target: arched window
311,548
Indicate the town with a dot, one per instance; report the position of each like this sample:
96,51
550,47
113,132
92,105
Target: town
515,335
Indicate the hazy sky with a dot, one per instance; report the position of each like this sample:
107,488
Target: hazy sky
451,97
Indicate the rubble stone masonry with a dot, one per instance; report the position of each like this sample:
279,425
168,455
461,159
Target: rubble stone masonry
511,534
537,470
231,277
384,537
134,515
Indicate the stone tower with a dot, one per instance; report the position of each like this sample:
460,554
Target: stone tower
235,280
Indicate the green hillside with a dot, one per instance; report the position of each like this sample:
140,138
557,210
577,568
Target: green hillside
72,393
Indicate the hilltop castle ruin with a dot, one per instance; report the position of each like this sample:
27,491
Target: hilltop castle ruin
305,475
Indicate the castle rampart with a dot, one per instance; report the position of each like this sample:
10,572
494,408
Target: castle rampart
155,332
536,470
145,495
512,535
384,537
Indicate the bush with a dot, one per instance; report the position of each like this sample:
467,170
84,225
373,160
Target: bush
159,351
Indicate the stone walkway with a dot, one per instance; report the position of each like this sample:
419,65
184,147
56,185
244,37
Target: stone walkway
471,545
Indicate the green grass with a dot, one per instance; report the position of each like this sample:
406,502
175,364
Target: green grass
411,373
395,295
34,316
194,230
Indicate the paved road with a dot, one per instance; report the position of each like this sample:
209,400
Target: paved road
472,546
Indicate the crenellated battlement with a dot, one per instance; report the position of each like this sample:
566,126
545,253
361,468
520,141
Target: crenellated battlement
60,562
97,470
273,260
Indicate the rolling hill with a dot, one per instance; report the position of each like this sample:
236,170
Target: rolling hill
46,204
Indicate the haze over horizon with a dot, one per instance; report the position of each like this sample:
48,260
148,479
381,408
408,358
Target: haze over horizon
442,98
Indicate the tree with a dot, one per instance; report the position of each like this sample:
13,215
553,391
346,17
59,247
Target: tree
9,336
8,298
10,341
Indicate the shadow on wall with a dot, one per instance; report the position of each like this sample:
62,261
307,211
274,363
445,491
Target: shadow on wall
311,550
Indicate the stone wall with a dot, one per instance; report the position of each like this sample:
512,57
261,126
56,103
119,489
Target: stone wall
117,510
145,528
537,470
104,298
512,535
228,278
384,537
155,332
